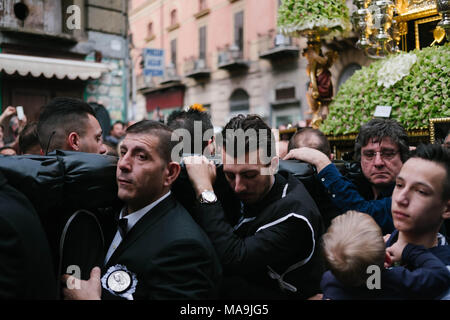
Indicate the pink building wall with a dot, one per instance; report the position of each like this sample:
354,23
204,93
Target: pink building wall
259,18
136,3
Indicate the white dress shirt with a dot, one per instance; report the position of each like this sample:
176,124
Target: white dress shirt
132,219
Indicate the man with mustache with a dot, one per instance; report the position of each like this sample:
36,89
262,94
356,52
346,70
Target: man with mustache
271,251
157,251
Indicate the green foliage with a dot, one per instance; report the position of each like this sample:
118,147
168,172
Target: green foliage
419,96
299,15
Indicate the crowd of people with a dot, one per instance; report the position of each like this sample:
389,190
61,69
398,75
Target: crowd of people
189,227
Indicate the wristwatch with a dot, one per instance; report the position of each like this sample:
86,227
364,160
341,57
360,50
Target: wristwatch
207,196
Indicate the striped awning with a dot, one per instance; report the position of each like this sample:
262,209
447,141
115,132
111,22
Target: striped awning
50,67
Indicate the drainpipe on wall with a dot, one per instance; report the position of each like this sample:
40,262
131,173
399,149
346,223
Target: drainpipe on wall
126,68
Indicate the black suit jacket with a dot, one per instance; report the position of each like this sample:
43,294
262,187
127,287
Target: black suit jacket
170,255
26,270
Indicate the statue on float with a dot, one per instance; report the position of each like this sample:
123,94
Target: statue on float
320,90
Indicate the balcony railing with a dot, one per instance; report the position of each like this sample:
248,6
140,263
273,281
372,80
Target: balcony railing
278,46
231,59
196,68
145,82
170,75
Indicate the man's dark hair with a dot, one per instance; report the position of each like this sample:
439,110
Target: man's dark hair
60,117
118,122
440,155
377,129
304,134
28,137
181,119
160,130
111,148
257,134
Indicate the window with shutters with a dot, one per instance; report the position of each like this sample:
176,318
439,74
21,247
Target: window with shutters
173,52
239,30
202,43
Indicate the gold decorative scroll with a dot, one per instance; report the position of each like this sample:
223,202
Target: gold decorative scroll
420,5
415,9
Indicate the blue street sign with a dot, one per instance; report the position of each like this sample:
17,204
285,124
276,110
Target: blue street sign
153,62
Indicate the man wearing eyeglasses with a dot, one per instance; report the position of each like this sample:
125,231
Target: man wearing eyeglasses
381,147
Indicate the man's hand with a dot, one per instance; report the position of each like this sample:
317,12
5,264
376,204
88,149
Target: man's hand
312,156
318,296
7,114
202,173
82,289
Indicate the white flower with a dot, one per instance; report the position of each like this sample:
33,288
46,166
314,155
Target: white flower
395,68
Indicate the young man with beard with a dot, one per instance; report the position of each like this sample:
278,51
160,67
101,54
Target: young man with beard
271,252
69,124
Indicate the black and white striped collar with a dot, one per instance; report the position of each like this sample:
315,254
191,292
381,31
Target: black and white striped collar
442,241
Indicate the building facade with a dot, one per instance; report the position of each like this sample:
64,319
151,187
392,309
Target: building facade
76,48
226,55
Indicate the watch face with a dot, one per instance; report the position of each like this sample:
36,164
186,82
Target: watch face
208,196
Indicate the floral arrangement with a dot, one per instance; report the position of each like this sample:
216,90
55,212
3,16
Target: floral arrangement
395,68
296,16
421,94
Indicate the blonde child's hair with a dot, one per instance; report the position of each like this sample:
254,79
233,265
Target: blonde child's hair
353,242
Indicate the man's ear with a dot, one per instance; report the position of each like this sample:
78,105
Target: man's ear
446,213
274,165
173,170
73,141
210,149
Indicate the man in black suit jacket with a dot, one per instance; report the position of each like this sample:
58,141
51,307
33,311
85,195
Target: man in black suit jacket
158,251
26,270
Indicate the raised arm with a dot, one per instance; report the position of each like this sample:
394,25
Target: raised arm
426,276
343,192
